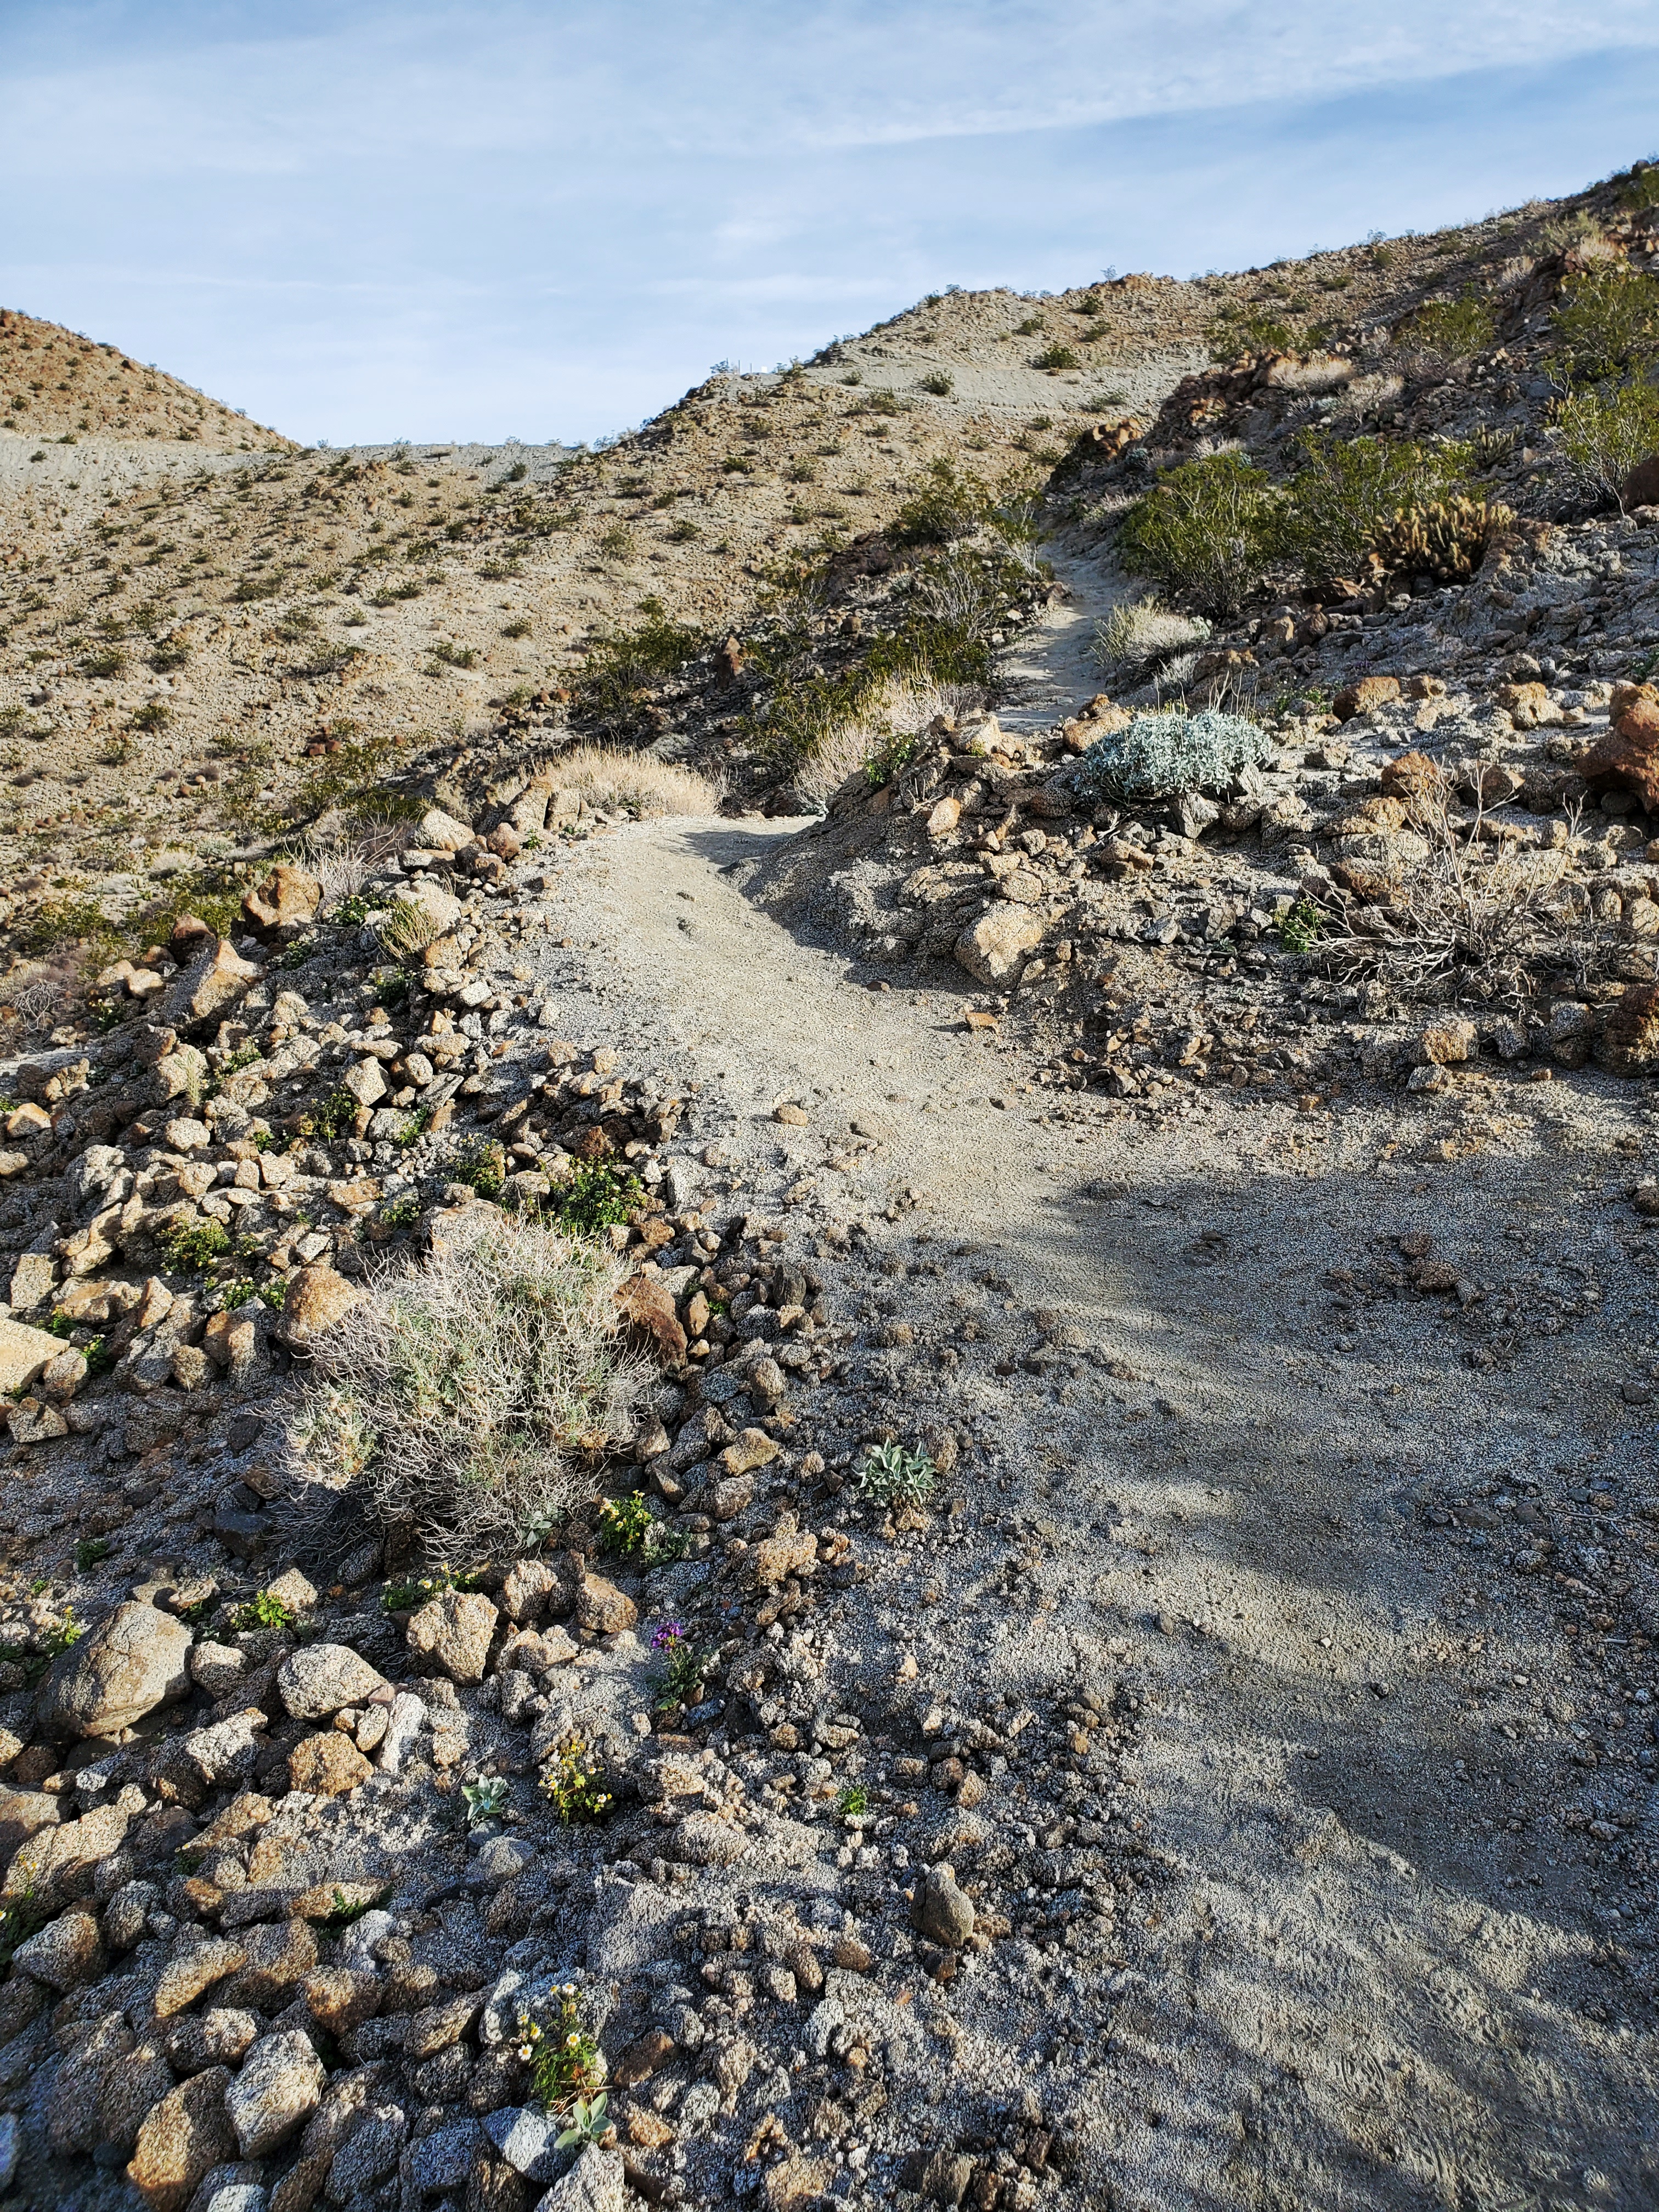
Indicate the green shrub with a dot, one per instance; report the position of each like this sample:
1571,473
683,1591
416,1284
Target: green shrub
614,689
625,1525
108,662
481,1165
617,541
1602,434
945,505
596,1196
1349,489
1452,329
1238,333
1607,322
563,2057
1448,539
1056,358
190,1249
1212,529
1159,756
264,1611
939,382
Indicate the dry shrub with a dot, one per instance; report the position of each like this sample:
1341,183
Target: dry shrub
342,863
1323,373
1474,920
634,783
1139,633
455,1407
904,706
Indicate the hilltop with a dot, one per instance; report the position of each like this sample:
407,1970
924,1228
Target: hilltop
55,383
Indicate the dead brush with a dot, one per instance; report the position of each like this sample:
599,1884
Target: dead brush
1477,919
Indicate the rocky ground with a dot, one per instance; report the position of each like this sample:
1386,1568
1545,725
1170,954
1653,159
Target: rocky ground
1142,1693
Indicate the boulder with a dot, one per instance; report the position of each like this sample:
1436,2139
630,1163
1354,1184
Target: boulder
647,1303
314,1300
57,1864
1625,757
281,2084
327,1764
214,979
287,899
594,2183
182,2137
603,1608
24,1352
939,1911
67,1951
1359,698
320,1680
1641,487
441,833
455,1629
1629,1040
995,949
135,1659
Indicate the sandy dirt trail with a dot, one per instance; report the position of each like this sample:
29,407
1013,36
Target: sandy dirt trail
1370,1977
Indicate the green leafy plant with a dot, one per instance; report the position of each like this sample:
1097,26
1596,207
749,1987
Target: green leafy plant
1238,333
485,1800
335,1113
401,1212
481,1165
1212,529
264,1611
574,1784
191,1249
346,1910
625,1525
89,1552
67,1631
1349,490
1607,322
1602,434
939,382
598,1195
588,2123
517,627
683,1666
893,1475
406,1596
615,542
853,1801
562,2057
1057,358
108,662
1301,927
1453,330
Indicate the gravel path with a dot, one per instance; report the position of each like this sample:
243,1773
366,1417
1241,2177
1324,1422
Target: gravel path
1382,1970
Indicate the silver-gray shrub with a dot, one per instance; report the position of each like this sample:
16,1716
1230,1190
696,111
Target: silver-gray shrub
1159,756
457,1407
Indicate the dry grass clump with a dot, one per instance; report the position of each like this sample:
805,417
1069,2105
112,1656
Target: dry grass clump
902,708
456,1406
342,864
635,783
1323,373
1139,633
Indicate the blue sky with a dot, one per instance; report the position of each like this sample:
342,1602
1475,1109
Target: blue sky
545,221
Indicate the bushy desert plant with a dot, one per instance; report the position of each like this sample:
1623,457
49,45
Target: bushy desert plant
1607,321
1139,633
1348,491
1452,329
457,1402
939,382
1210,529
1601,434
1236,333
1157,756
637,784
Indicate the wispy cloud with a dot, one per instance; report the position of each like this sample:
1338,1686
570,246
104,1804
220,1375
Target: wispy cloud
475,219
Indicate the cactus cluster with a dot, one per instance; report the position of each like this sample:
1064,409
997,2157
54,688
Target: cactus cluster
1448,539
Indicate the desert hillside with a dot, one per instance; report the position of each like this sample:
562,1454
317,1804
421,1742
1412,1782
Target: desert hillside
826,1246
